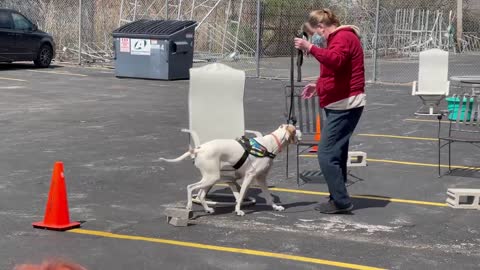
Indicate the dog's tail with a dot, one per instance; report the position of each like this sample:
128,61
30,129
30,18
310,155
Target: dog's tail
190,153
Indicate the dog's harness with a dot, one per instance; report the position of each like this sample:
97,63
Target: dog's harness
254,148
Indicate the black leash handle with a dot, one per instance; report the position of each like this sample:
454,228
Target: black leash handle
291,118
301,35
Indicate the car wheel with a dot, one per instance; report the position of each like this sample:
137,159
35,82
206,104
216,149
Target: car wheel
44,57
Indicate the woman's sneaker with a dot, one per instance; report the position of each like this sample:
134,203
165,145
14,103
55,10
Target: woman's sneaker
330,208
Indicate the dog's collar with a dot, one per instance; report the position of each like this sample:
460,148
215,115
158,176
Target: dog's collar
279,144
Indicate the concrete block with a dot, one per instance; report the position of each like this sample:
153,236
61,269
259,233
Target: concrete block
177,222
357,159
462,198
180,213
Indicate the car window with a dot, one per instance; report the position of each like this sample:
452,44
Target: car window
21,23
5,20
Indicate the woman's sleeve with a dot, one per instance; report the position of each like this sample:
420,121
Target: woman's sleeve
334,57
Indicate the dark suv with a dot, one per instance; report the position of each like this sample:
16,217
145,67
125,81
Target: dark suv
21,40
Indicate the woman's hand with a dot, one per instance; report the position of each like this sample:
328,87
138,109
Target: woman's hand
309,91
303,44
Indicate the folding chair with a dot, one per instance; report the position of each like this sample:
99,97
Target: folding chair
215,102
306,112
463,127
433,83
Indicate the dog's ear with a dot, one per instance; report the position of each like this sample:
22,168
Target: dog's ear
291,130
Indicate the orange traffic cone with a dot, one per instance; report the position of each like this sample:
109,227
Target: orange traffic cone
317,134
56,213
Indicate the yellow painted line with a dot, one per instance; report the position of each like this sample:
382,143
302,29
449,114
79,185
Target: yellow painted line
378,198
225,249
87,67
12,79
398,137
390,83
423,164
60,73
253,69
308,192
409,163
425,120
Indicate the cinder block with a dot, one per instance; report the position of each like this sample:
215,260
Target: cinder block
462,198
177,222
180,213
357,159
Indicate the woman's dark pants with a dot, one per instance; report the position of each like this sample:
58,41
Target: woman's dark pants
333,151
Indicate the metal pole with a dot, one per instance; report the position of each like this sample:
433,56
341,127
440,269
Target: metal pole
227,25
135,10
240,13
375,43
459,24
121,13
193,9
179,9
166,10
79,32
259,36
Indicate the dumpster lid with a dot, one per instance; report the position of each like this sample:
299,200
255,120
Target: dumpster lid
153,27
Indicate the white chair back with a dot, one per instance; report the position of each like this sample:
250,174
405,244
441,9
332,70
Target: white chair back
433,72
216,102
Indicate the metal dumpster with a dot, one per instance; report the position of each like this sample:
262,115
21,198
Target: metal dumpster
154,49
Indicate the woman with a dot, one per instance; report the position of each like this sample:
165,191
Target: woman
341,91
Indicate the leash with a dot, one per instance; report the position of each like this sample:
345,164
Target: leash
257,149
291,118
301,35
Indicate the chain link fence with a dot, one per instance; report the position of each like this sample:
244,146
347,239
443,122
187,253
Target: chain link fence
61,19
282,19
257,35
411,26
404,29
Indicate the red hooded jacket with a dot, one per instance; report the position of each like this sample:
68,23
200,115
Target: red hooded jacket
342,68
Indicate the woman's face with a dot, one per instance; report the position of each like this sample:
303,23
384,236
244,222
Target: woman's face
324,30
310,30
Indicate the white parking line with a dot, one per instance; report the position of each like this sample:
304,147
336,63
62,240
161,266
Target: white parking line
60,73
12,79
11,87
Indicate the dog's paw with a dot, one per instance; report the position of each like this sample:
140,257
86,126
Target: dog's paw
210,210
240,213
278,208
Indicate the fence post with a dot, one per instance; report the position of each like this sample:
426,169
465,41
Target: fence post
166,10
375,43
459,24
259,36
79,32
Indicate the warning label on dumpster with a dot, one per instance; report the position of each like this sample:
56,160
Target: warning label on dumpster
125,45
140,46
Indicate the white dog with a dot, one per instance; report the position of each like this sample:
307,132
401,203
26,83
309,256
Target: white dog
211,156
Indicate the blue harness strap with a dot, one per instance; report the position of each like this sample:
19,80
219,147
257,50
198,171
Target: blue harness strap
254,148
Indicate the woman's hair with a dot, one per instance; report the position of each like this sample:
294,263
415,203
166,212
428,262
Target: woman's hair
306,28
325,16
